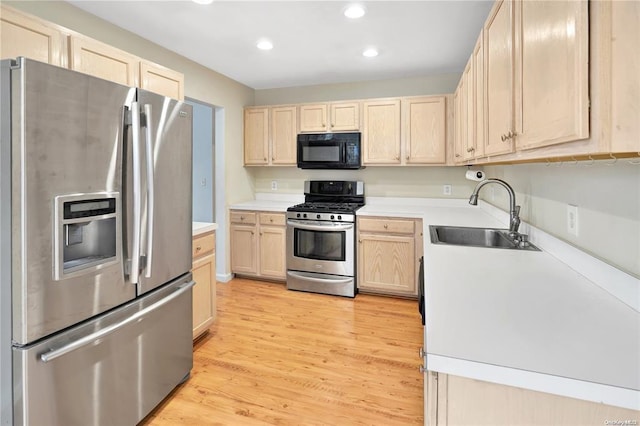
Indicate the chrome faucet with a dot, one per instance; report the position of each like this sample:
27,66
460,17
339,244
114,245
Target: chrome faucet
515,210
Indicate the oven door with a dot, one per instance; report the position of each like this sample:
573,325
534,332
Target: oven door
321,247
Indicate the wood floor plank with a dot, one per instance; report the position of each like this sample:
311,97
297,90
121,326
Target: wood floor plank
278,357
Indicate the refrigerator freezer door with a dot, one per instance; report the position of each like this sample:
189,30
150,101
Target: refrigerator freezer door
112,370
166,144
66,141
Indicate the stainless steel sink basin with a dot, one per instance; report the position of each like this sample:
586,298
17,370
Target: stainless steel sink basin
477,237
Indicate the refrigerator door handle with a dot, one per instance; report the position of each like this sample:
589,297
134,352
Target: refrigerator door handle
77,344
134,273
150,188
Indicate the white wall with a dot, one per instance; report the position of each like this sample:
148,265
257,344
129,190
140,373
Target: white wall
379,181
607,197
203,189
428,85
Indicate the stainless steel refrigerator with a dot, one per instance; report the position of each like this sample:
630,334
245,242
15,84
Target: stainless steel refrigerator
95,253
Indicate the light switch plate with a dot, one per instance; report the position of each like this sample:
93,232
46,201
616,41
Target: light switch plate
274,185
572,220
446,189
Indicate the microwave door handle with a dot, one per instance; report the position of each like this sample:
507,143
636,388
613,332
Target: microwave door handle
301,224
134,273
150,188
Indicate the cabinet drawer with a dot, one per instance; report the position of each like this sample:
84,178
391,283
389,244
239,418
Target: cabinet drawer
248,218
272,219
203,244
396,226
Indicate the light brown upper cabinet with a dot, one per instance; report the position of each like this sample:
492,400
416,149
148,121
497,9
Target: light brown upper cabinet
28,36
381,132
330,117
478,98
620,37
536,74
499,59
552,72
161,80
101,60
270,136
283,135
256,136
424,130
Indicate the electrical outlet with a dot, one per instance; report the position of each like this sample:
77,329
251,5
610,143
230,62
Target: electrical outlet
203,182
492,192
572,220
274,185
446,189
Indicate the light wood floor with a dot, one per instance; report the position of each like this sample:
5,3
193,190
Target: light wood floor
289,358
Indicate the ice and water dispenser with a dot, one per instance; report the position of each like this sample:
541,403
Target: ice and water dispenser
87,233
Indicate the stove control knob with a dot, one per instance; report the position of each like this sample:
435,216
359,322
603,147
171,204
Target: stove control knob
333,217
298,215
304,215
317,216
339,217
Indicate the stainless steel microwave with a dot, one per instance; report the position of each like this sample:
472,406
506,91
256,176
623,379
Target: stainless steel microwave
329,151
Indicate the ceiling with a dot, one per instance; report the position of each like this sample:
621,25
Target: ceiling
314,43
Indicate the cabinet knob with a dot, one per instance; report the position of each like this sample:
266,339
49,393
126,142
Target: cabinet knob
261,233
265,158
198,248
407,157
252,233
457,155
324,125
273,158
386,226
360,241
397,157
241,217
503,137
471,149
271,220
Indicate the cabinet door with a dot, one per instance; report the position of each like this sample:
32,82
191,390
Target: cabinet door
499,45
553,71
272,252
625,76
386,263
469,106
101,60
161,80
424,126
381,132
313,118
204,294
256,136
478,97
23,35
345,116
243,249
458,118
283,135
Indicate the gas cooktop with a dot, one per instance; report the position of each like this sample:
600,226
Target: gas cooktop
320,207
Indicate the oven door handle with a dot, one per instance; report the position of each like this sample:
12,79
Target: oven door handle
328,226
319,280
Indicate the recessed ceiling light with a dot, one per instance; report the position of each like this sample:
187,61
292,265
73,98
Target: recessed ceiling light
203,1
354,12
264,45
370,53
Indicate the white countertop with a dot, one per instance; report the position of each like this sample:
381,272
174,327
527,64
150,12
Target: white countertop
269,202
202,227
520,318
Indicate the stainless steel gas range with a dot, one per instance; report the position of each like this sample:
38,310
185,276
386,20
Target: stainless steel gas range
321,238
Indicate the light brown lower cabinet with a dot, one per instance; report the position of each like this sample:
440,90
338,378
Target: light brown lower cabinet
204,274
258,244
454,400
388,252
